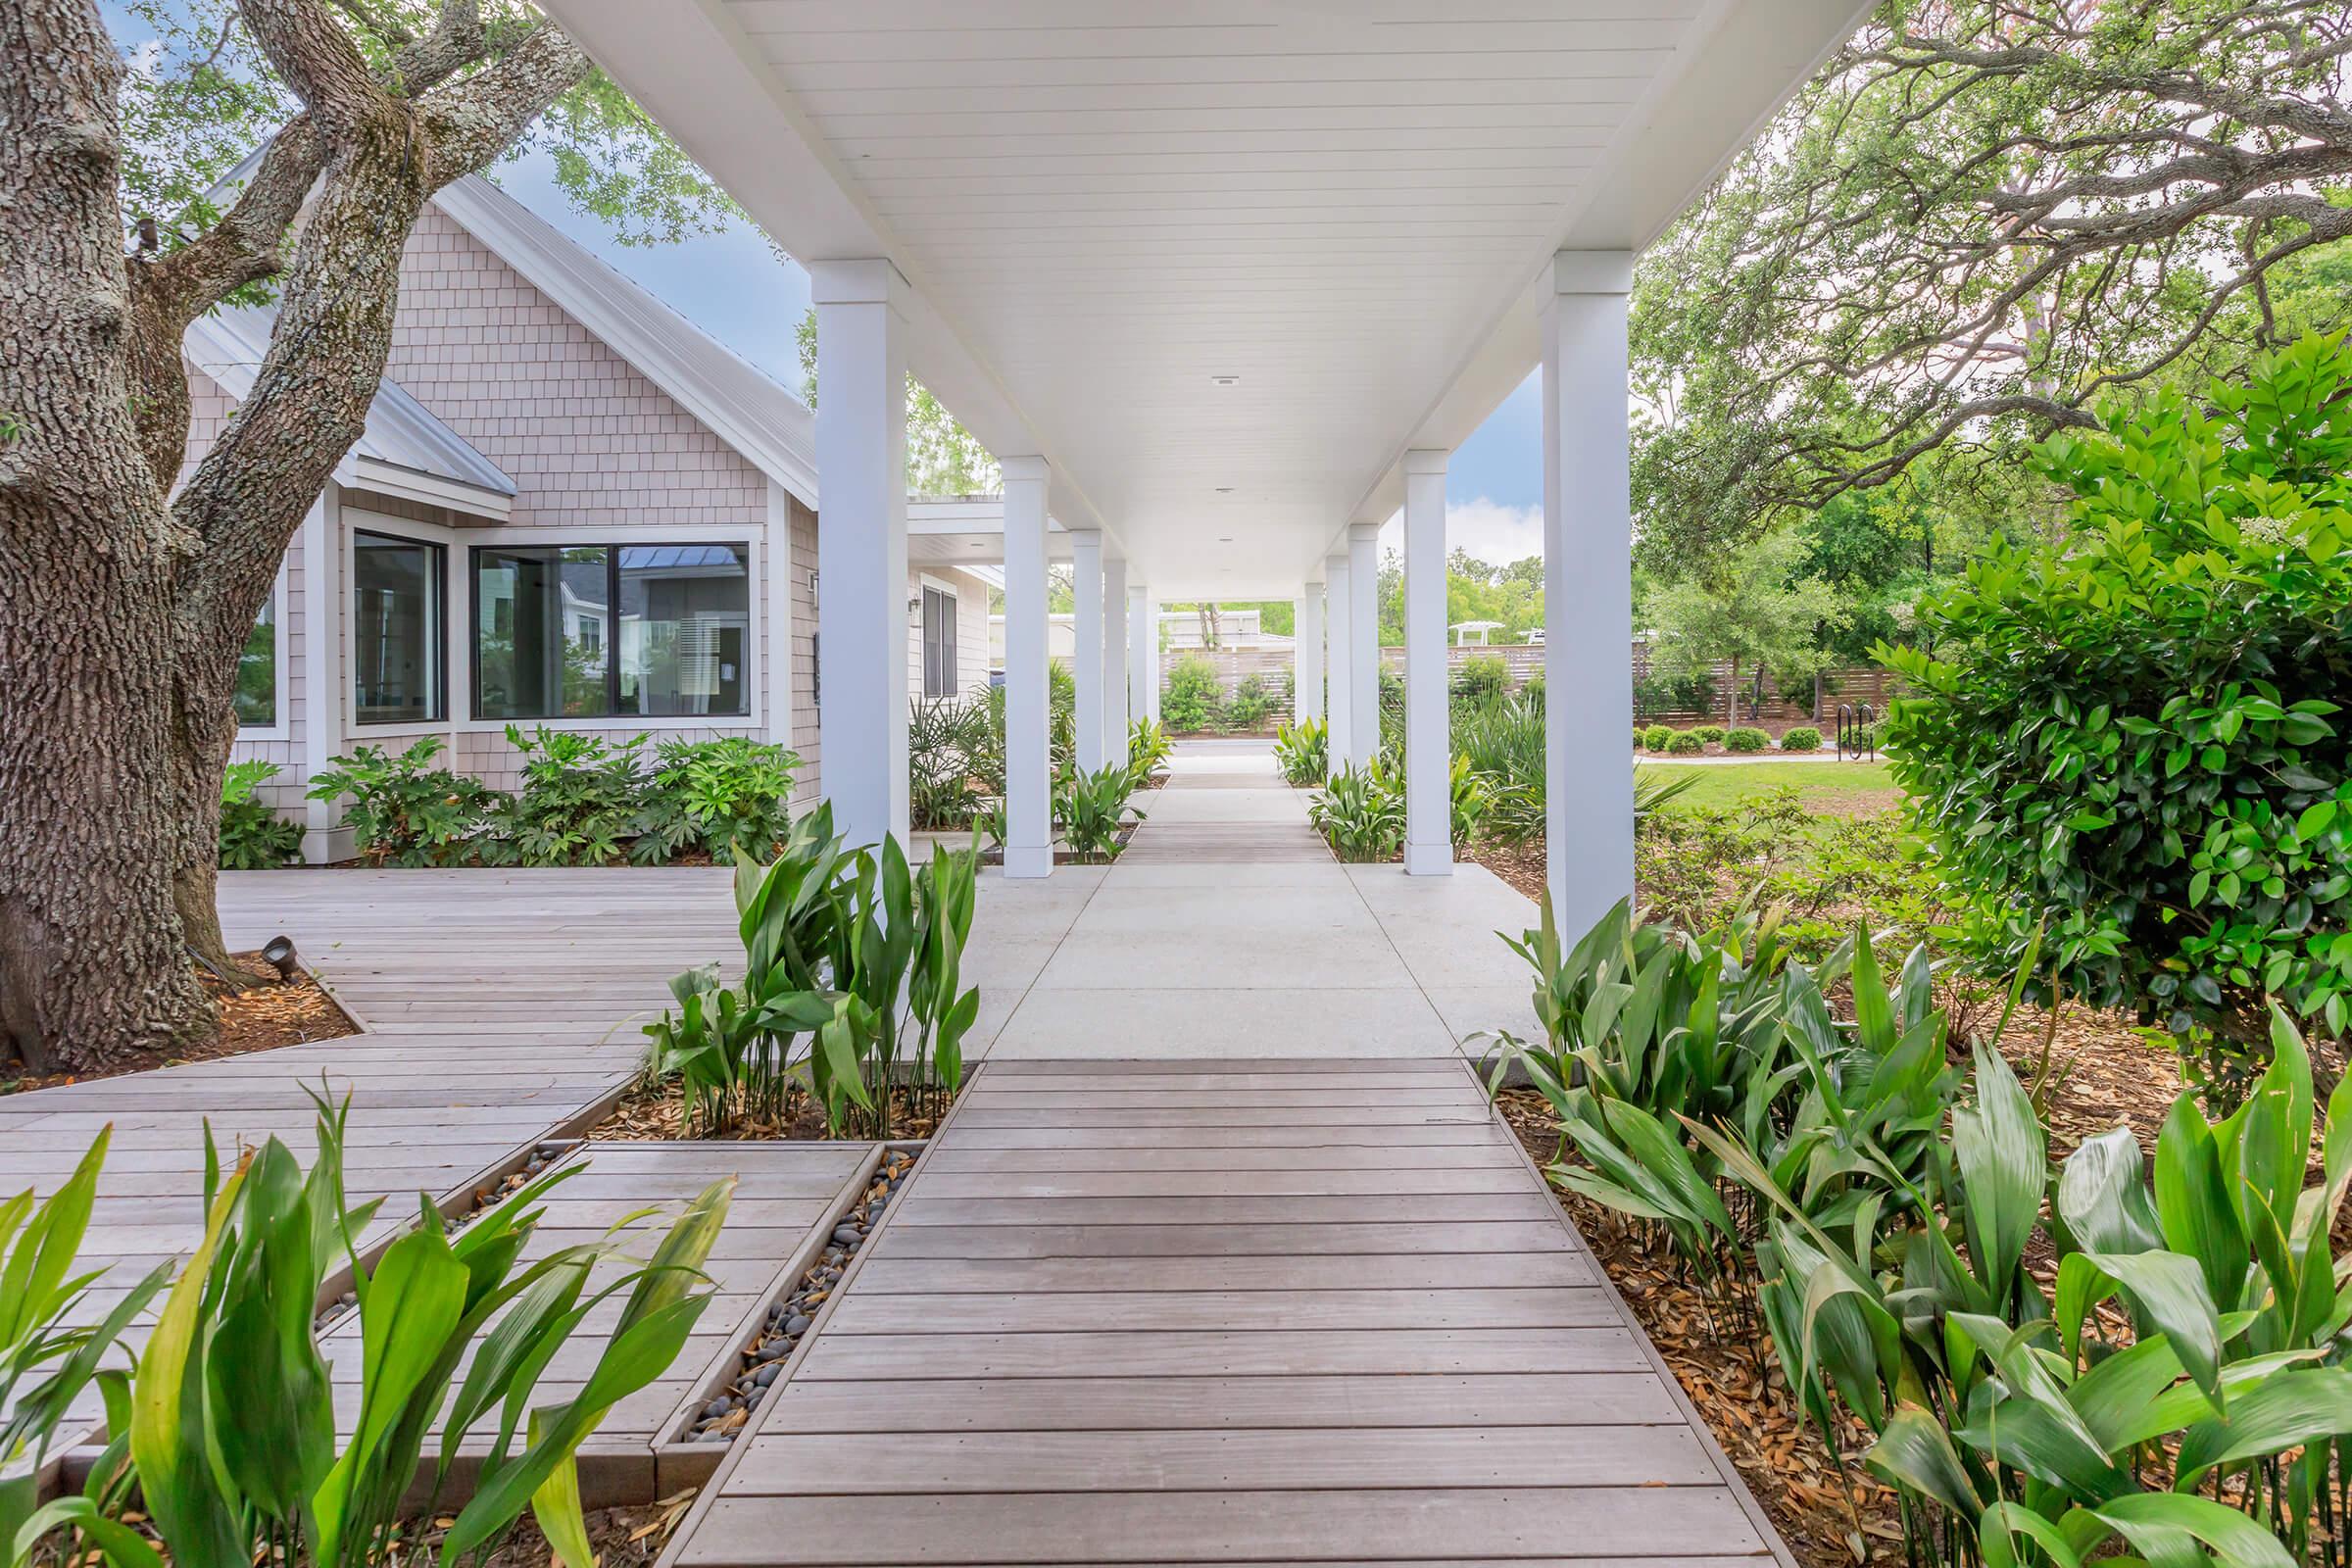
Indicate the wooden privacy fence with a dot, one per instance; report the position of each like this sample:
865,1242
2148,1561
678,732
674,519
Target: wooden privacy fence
1523,662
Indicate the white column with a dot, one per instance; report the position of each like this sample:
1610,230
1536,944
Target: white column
1588,589
1339,741
1114,658
1151,654
1428,741
1028,762
1086,663
325,685
1306,635
1363,641
861,545
1140,647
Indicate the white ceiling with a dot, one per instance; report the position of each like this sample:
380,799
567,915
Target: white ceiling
1102,205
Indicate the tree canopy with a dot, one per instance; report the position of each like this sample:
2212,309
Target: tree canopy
1979,216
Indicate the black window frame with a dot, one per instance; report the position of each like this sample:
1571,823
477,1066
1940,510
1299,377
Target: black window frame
611,639
437,626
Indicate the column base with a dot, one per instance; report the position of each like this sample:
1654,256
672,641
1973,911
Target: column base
1429,859
1029,860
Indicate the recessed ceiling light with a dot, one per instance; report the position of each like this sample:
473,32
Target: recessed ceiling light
1224,489
1224,380
1225,539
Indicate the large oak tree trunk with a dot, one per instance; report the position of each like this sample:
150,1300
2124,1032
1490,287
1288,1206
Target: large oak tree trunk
90,967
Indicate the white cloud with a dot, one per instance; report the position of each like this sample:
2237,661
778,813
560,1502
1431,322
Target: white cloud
1489,530
1493,532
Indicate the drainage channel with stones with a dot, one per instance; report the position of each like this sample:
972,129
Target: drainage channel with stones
787,1320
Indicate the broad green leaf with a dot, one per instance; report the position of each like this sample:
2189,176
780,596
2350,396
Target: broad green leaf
2168,1296
2144,1518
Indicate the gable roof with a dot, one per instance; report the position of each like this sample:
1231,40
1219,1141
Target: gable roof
744,407
772,429
404,450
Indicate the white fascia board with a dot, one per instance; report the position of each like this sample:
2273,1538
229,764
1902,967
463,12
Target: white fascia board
358,472
694,68
1745,59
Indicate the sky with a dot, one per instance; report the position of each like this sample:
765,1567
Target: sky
736,288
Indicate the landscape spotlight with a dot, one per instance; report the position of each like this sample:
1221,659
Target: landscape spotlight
281,956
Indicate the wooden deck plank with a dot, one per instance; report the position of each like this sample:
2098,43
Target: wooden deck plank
1245,1460
1179,1404
1169,1311
892,1275
1302,1526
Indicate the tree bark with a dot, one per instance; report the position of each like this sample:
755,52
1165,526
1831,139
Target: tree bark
91,971
1730,711
121,619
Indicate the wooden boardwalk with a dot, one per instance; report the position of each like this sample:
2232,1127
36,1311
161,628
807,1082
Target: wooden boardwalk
495,1010
1229,1311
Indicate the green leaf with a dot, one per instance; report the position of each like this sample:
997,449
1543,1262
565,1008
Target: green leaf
2003,1161
1915,1453
2168,1296
2293,1406
2147,1518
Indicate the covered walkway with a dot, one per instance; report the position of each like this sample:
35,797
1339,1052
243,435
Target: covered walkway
1227,929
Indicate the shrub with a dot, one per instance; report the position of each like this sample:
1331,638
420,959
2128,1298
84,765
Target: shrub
1482,675
1712,734
950,745
1250,704
715,795
253,836
1656,694
1089,809
1302,751
2128,744
1147,748
1469,797
1745,740
405,812
1194,698
1686,743
581,795
1803,738
1360,815
1657,738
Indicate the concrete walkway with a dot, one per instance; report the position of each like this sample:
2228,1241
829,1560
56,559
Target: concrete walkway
1227,929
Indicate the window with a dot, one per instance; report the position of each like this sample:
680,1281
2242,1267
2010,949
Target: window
396,630
256,696
938,641
603,631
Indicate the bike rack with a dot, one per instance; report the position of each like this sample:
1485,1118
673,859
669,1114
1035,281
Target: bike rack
1854,730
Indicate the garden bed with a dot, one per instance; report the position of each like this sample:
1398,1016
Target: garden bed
656,1113
268,1014
1732,1381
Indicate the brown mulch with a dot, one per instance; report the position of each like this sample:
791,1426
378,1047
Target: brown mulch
1829,1509
621,1538
268,1013
1519,865
656,1113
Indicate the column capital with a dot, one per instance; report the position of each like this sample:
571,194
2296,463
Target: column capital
1427,459
1025,467
1358,532
1593,271
868,280
1084,538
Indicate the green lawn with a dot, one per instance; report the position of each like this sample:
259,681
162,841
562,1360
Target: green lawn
1843,789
